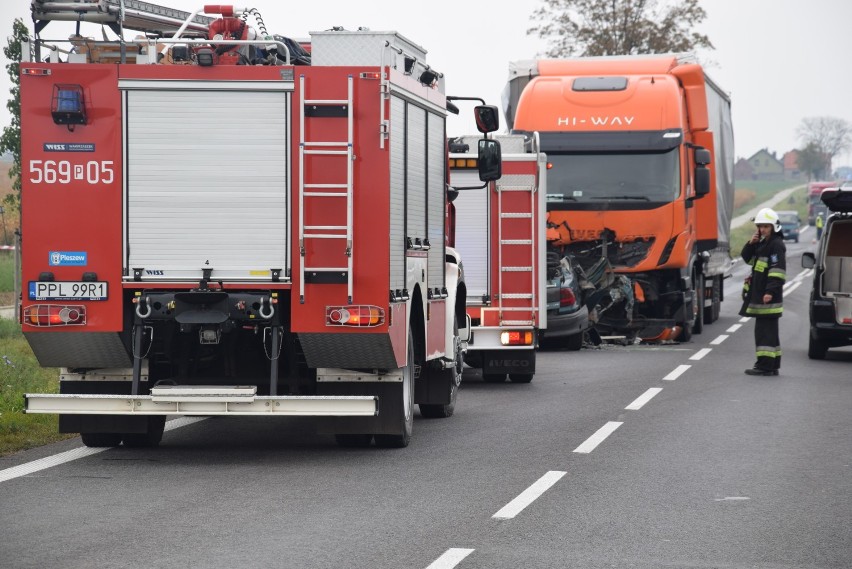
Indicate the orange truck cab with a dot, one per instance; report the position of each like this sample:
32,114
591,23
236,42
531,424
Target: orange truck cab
640,184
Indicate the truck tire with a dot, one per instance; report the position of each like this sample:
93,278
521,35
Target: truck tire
99,440
816,348
406,417
493,377
711,313
452,377
521,377
698,303
353,441
151,437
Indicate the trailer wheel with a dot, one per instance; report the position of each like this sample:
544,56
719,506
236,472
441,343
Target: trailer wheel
453,377
101,439
406,417
150,438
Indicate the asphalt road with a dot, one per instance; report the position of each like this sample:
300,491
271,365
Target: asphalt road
613,457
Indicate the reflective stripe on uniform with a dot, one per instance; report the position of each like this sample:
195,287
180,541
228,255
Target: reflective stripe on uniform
764,309
777,274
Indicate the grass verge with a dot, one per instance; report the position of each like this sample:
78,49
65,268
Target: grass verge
20,373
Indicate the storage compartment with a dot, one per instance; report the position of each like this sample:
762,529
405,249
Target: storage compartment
363,48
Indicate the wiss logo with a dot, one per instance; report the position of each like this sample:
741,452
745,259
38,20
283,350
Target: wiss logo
154,272
55,147
595,121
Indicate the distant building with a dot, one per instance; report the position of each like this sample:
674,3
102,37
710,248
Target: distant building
791,166
765,166
742,170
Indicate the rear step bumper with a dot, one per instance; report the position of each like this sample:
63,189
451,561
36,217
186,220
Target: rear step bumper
203,404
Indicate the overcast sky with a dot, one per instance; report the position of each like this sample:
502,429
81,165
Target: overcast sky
780,60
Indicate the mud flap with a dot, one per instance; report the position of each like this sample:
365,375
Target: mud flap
433,387
508,361
389,405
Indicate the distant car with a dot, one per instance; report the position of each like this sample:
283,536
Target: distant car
790,223
567,315
831,293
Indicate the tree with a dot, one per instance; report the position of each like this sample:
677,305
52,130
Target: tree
10,140
618,27
829,136
812,161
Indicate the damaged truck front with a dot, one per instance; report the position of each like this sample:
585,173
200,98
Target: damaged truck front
640,184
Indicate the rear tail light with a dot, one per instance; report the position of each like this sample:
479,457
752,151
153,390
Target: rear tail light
43,315
356,316
517,338
566,297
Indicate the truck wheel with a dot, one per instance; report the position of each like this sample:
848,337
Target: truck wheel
353,441
101,439
711,313
816,348
150,438
452,376
574,342
698,304
520,377
406,417
493,377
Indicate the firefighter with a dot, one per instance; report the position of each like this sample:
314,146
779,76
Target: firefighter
763,290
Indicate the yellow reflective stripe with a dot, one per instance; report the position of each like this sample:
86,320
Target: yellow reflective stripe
777,273
764,309
767,354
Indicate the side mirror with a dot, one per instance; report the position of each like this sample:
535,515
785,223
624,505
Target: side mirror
490,160
487,118
702,156
702,181
808,260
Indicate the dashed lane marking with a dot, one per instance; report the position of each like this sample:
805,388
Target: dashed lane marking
599,436
450,558
744,319
700,353
718,340
677,372
734,328
529,495
644,398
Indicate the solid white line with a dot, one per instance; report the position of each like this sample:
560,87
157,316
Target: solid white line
644,398
744,319
598,437
529,495
450,558
676,373
700,353
794,287
77,453
734,328
718,340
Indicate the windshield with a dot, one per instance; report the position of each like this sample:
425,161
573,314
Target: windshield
610,176
788,217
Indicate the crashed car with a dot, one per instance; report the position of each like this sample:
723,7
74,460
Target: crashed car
567,314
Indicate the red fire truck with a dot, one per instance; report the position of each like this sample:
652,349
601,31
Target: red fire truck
500,233
211,229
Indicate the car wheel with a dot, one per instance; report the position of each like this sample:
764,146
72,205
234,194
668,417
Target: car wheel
816,348
574,342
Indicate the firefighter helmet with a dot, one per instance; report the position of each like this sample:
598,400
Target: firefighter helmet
769,217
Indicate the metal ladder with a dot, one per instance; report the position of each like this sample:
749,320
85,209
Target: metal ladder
128,14
506,244
308,191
